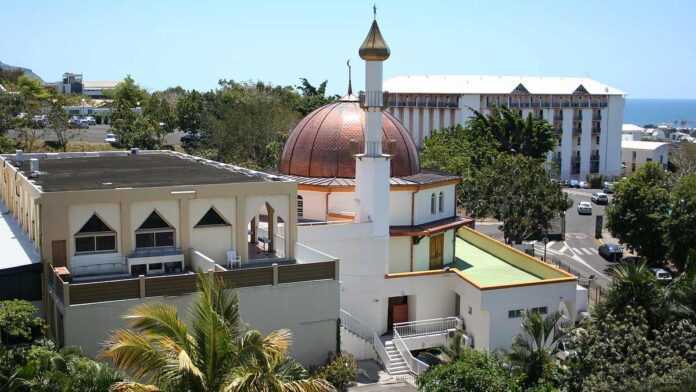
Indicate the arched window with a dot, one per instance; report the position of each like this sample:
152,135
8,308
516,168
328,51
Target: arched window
300,206
441,202
433,204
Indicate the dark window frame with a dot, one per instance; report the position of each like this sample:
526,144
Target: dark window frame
94,235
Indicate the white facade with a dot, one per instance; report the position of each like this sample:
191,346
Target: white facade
635,154
588,115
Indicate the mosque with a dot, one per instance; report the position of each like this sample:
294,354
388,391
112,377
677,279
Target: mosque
412,271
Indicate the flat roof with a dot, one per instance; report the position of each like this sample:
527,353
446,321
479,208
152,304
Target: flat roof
487,269
78,172
17,249
641,145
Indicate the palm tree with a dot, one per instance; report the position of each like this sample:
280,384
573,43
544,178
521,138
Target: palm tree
534,349
214,354
635,285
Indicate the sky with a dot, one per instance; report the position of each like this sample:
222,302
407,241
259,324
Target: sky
645,48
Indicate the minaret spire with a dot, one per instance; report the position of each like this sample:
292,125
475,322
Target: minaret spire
350,84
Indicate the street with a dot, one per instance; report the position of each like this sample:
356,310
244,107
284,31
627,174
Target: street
579,249
97,133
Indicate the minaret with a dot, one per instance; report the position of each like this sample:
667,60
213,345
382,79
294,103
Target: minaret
372,167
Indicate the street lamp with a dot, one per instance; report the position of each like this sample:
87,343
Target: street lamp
546,241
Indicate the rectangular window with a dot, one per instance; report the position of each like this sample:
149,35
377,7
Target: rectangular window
137,270
164,238
517,313
597,139
106,243
634,155
155,239
155,267
540,310
145,240
84,244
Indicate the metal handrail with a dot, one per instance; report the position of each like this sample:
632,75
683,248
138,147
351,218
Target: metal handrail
354,325
426,327
416,366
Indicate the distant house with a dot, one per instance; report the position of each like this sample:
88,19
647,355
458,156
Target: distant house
632,132
635,154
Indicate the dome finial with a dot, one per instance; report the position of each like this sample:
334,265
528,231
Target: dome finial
374,11
374,47
350,84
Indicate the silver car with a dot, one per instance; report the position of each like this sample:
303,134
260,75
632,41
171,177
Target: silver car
584,208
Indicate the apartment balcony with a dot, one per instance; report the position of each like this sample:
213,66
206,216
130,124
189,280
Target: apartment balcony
594,165
574,166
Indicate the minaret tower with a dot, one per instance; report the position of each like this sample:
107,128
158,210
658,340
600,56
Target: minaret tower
372,166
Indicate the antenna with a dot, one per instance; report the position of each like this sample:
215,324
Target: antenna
350,84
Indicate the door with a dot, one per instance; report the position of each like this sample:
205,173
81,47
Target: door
59,251
437,243
397,311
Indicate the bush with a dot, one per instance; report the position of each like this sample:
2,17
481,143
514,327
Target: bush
596,181
340,370
19,322
473,371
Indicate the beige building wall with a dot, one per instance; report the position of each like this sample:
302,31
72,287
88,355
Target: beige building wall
213,241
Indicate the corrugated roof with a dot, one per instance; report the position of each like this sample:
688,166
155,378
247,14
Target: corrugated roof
491,84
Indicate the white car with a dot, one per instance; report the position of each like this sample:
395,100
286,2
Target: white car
110,138
584,208
661,274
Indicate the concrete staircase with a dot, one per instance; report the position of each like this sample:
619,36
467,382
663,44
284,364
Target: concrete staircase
397,365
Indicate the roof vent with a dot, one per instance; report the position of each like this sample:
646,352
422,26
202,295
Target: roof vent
134,151
33,167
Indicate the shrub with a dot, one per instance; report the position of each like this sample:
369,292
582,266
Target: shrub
340,370
19,322
596,181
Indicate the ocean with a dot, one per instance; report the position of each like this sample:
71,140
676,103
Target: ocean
657,111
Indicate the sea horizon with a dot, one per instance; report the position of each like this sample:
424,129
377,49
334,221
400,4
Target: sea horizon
642,111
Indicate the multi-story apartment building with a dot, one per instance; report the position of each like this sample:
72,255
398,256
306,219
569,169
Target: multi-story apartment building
115,229
587,115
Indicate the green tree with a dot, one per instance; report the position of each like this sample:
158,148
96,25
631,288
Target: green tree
533,351
508,131
503,175
161,112
638,212
189,114
33,98
312,97
213,354
127,99
340,370
59,123
473,371
680,221
19,322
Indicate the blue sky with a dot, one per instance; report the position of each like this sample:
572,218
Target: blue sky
645,48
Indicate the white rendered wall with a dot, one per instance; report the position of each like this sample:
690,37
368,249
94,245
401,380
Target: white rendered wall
308,309
313,204
372,191
400,208
342,202
615,115
421,255
642,156
499,302
448,251
422,204
214,241
399,254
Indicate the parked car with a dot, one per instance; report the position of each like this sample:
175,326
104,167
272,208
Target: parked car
608,187
583,184
574,183
611,252
77,122
661,274
584,208
110,138
90,120
600,198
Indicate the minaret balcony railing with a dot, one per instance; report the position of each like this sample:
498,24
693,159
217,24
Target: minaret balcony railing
381,99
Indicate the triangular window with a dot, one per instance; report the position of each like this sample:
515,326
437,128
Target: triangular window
95,225
581,90
520,89
154,221
212,218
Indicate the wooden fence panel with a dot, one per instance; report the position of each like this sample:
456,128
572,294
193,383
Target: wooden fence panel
248,277
170,285
305,272
82,293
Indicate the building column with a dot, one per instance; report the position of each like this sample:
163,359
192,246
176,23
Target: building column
436,118
241,231
548,117
426,124
585,143
125,230
603,140
416,130
462,112
567,143
184,229
405,116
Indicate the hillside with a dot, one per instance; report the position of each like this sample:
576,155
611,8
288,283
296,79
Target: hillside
28,72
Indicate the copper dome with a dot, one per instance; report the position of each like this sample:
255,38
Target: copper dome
320,145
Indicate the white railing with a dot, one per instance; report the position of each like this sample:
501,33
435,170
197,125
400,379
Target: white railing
354,325
380,350
426,327
415,365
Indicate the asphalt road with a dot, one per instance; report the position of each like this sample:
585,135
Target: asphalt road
97,133
579,249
